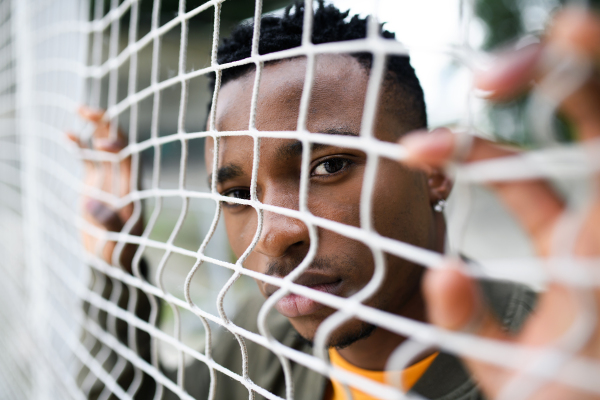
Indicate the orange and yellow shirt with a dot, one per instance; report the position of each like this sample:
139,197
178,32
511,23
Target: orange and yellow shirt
409,376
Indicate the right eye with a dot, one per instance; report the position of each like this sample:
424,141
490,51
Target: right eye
236,193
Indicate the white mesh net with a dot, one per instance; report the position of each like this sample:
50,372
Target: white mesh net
77,323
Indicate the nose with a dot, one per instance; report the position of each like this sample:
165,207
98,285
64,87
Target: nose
282,235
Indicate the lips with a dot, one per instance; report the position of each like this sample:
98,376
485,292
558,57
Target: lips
294,305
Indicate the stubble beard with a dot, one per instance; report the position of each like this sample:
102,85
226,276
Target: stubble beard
364,331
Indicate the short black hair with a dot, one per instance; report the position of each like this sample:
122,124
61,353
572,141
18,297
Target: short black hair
329,25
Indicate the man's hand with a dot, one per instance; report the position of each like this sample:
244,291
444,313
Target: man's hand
103,176
453,299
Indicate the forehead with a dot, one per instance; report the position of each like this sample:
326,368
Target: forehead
337,96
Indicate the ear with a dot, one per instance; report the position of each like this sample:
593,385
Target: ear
439,185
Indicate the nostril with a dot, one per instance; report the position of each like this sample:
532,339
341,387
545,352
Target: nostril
282,235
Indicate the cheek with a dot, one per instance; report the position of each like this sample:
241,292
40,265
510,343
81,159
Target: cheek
401,208
240,228
208,154
340,203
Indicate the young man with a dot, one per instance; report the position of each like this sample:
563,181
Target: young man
404,208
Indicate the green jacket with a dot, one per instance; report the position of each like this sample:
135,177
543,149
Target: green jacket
445,379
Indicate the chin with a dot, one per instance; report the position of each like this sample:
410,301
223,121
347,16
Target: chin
344,336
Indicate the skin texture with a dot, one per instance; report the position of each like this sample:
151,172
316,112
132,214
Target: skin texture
403,197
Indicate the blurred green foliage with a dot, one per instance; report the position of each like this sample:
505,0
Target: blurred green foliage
504,19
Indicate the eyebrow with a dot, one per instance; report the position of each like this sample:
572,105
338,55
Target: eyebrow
294,149
225,173
288,151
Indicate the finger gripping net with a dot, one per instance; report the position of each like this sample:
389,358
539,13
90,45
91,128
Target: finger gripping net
118,279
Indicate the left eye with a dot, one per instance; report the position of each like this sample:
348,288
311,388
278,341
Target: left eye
330,166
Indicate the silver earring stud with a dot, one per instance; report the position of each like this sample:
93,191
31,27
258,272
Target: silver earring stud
440,206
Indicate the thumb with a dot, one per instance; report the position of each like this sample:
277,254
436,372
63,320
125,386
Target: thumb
454,302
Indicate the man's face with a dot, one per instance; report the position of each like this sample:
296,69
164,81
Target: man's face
342,266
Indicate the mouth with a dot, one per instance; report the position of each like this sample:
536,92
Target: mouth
294,305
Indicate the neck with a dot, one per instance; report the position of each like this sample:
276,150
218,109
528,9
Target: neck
373,352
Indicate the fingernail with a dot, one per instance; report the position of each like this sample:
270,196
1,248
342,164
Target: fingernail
72,137
89,113
483,94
